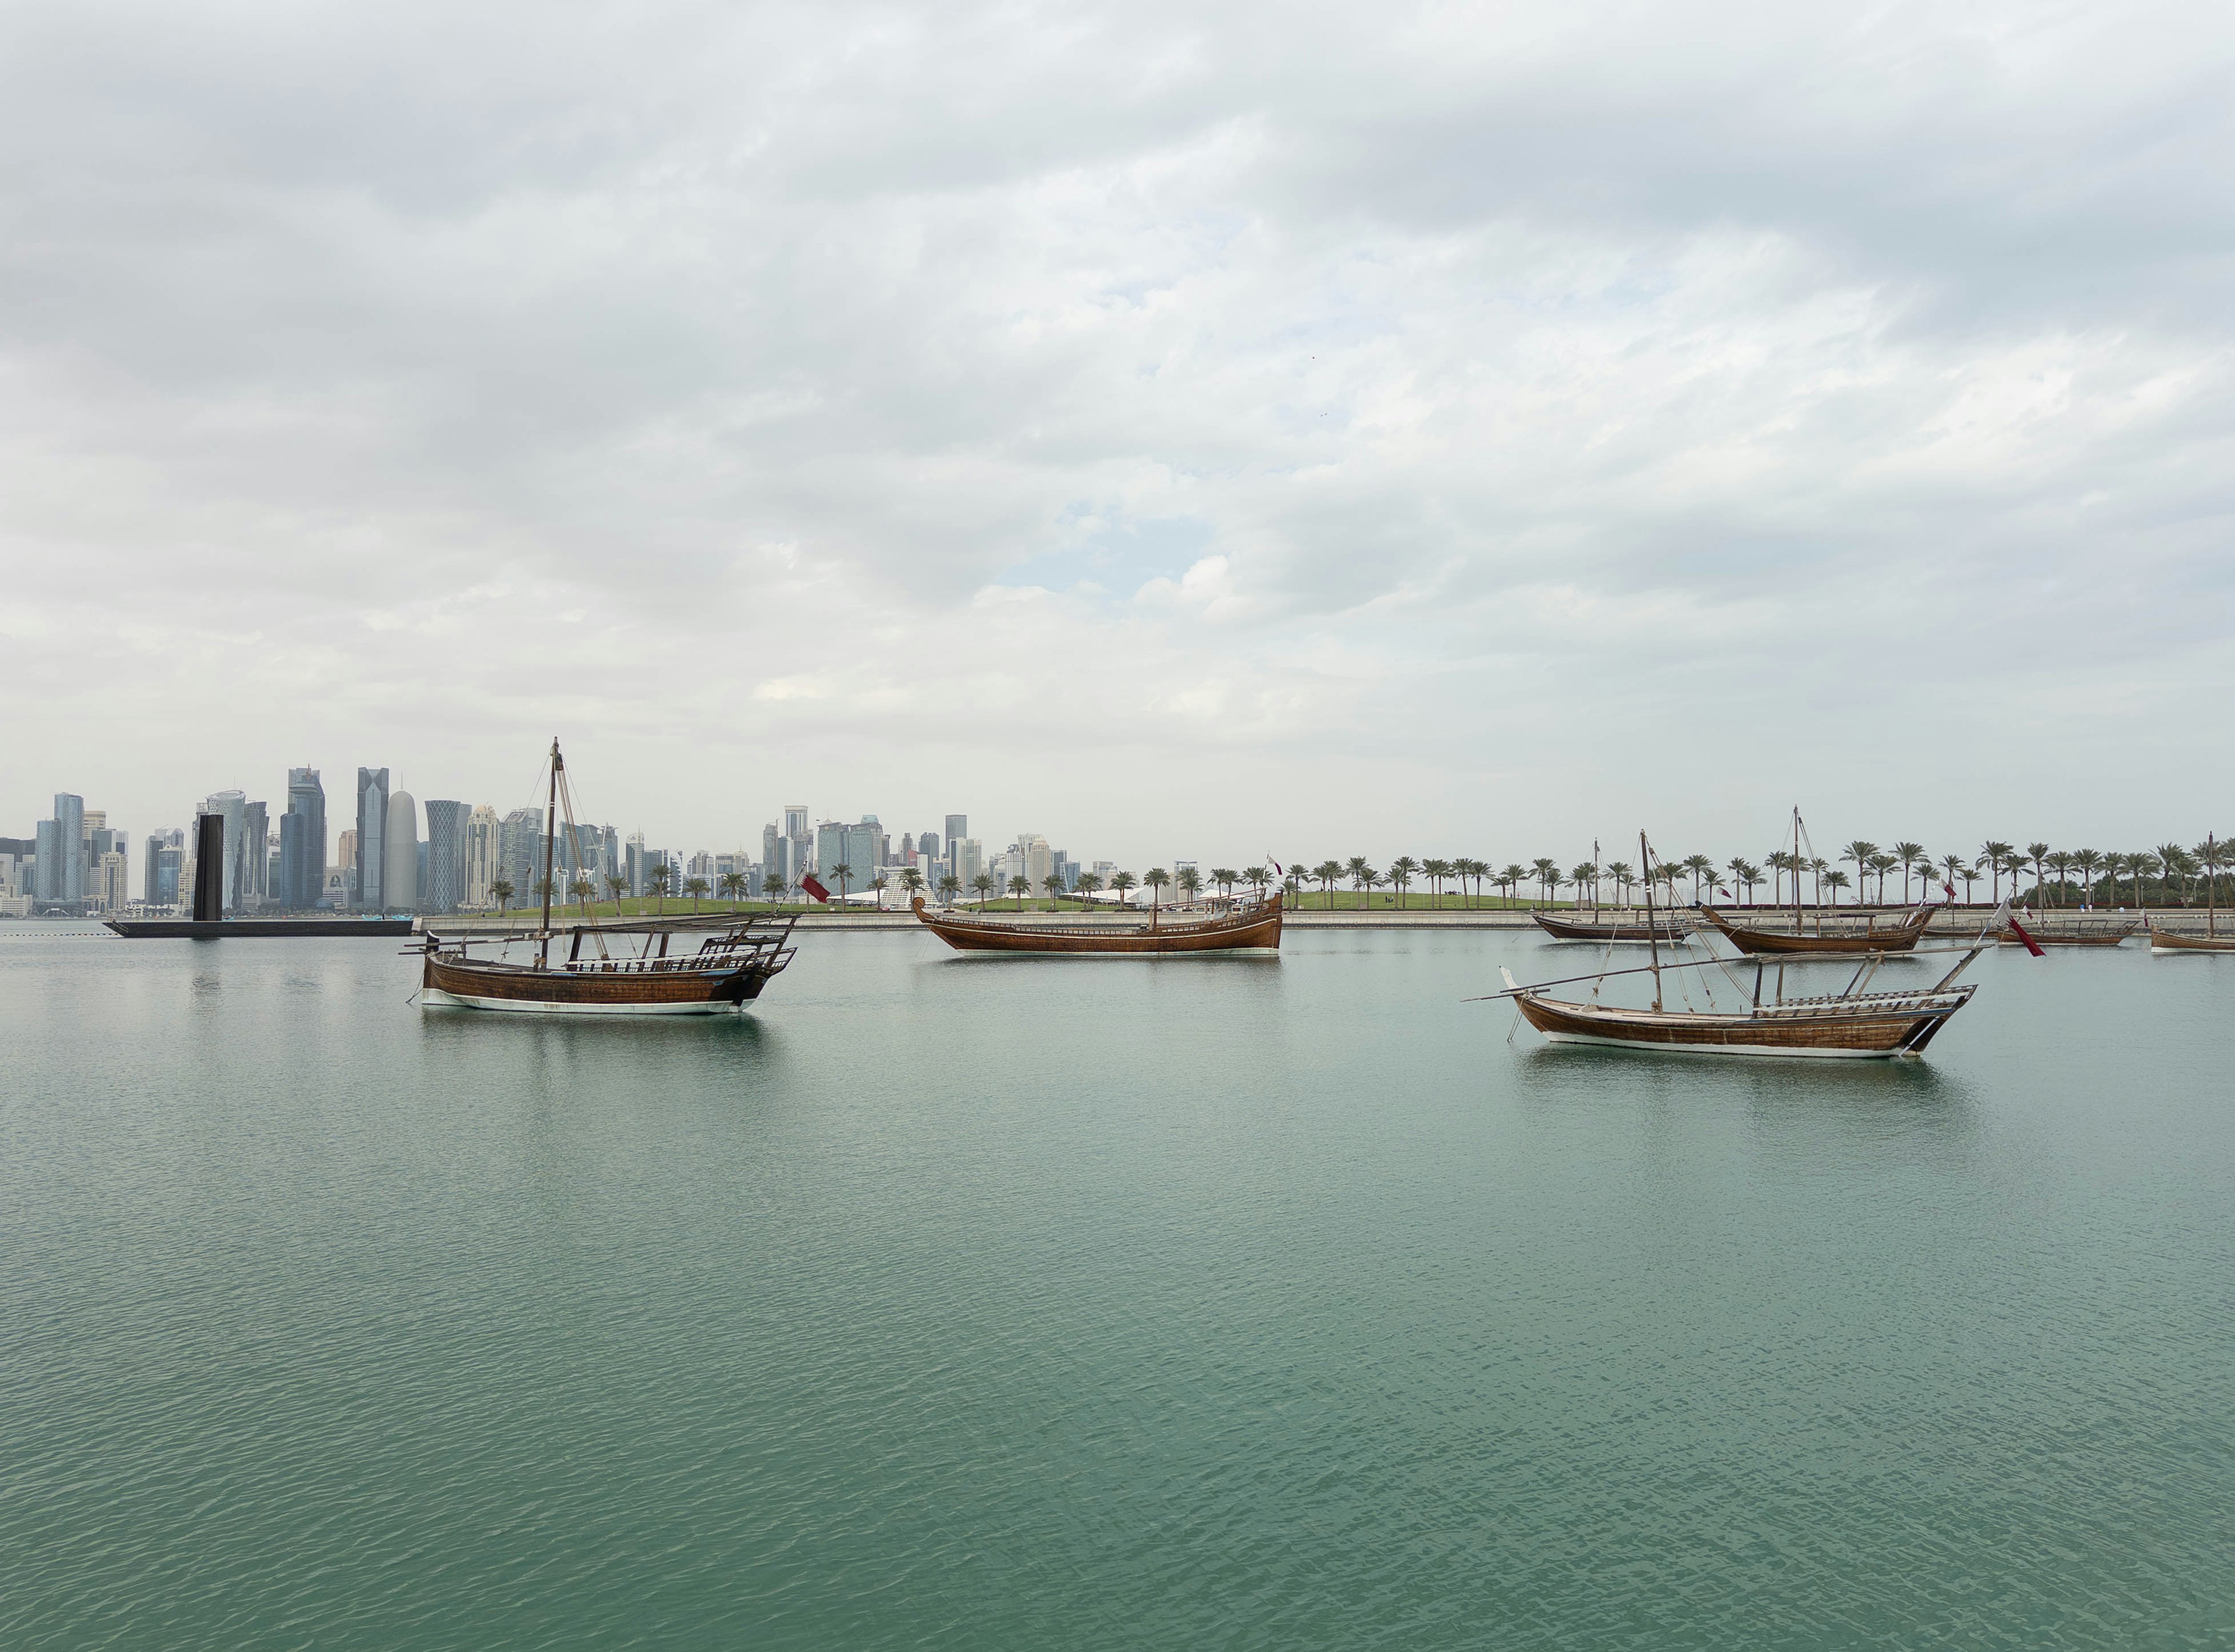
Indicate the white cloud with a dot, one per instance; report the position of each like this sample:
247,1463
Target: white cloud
1419,428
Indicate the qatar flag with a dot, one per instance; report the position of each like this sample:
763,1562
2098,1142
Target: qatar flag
2005,919
814,887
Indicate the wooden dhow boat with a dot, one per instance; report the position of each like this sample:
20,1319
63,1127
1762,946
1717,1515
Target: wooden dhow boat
728,970
1853,1024
1670,930
1844,941
2079,932
2165,940
1841,940
1253,928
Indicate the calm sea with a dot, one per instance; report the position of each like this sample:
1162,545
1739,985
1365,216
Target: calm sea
1089,1304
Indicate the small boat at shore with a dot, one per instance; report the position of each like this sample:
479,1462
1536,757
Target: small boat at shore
2167,940
1670,929
1251,929
729,970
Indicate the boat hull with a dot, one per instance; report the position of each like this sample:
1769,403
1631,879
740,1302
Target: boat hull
1778,943
1253,933
1610,933
1879,1036
2170,941
525,991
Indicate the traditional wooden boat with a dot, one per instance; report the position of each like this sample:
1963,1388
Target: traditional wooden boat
1670,929
1253,928
1842,1026
2081,932
727,971
2170,940
1855,1025
1841,940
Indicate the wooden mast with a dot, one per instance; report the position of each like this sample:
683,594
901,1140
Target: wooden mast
1652,928
1796,869
550,827
2211,877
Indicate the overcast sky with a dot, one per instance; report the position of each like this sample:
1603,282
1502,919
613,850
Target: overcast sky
1181,430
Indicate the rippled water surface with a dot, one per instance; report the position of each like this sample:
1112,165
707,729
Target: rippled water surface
1277,1303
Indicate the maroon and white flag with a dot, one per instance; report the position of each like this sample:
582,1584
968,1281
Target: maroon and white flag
2005,919
814,887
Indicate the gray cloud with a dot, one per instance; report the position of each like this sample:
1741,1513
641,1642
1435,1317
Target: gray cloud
1438,424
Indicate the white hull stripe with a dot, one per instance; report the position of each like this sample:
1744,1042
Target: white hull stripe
435,998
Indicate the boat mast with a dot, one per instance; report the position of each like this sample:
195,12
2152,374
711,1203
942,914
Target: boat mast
2211,877
1796,869
1652,926
550,827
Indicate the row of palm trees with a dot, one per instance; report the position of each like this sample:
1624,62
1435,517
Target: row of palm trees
2169,874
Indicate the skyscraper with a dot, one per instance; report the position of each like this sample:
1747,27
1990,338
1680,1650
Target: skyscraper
927,846
957,826
371,836
232,808
302,869
254,875
61,850
520,846
166,853
399,847
447,855
484,856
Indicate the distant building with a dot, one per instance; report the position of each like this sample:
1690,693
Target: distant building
926,849
232,808
399,849
966,859
108,882
61,851
303,844
1066,870
371,838
484,856
957,826
254,875
164,856
447,826
520,846
861,846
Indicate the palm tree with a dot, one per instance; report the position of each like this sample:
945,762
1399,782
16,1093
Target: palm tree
1156,877
1546,870
2088,862
1054,885
656,875
1951,867
1020,886
983,883
841,872
1226,877
1362,876
1859,852
880,883
1364,880
733,886
1969,871
2174,859
1883,864
503,891
1473,871
2210,855
582,890
1816,869
1189,881
1623,877
1327,874
1994,856
1122,883
1907,854
1257,877
911,882
1777,861
1699,865
2060,863
696,888
1744,875
1836,880
1436,872
1402,871
1510,877
949,887
1085,889
2036,853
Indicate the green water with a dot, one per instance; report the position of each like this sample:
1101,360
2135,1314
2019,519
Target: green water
1090,1304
